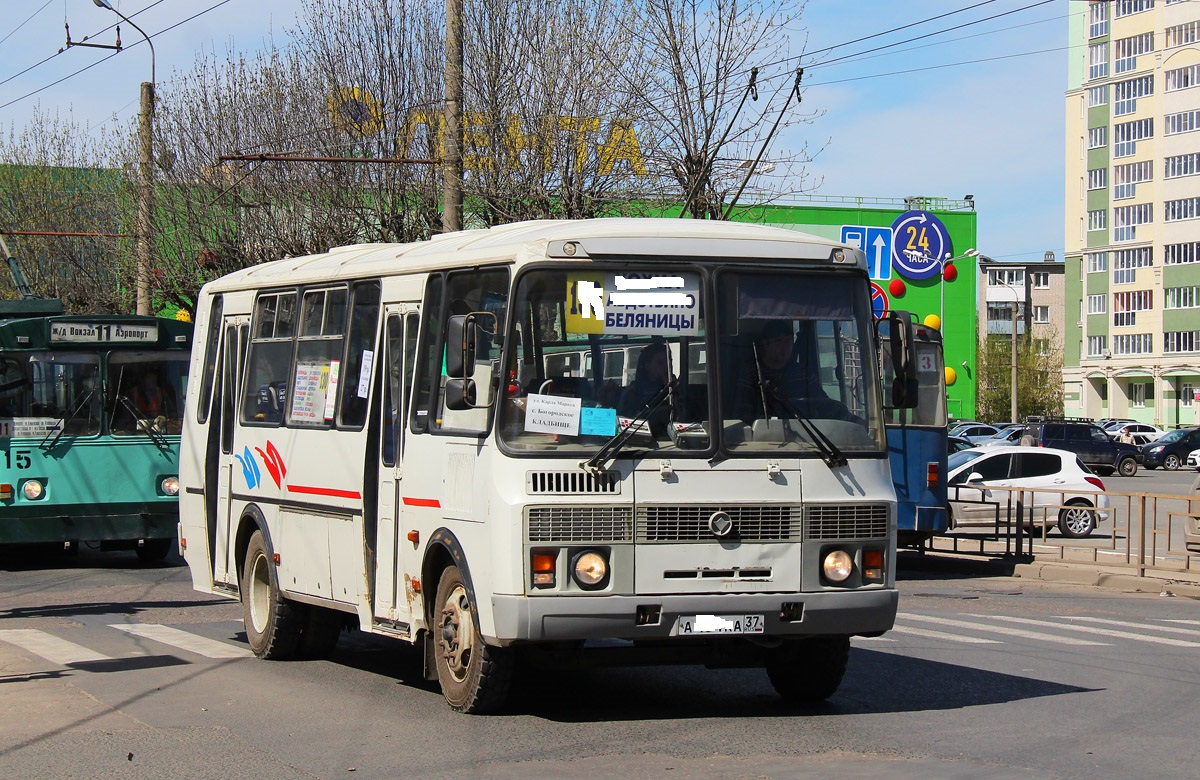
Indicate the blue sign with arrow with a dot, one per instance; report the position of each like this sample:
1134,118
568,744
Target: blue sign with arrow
876,244
921,242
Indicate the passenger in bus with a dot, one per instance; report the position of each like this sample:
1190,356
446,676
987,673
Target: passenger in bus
651,375
149,397
781,379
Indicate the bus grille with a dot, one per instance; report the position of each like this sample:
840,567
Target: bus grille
571,482
579,523
846,521
761,523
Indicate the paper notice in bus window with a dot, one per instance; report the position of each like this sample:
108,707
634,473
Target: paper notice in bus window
333,373
552,414
364,373
634,304
308,396
598,422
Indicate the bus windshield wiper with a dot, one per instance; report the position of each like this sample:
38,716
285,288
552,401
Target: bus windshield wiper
598,463
829,451
144,425
58,431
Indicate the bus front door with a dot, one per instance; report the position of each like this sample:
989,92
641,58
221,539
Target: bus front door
395,553
233,358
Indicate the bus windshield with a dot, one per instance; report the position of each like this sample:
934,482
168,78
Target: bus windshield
146,391
39,389
779,368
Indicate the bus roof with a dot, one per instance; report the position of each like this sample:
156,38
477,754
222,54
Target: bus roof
592,238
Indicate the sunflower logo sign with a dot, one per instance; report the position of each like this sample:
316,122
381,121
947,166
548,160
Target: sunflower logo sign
270,458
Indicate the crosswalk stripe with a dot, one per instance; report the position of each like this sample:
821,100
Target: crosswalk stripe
1064,640
931,634
1128,624
1161,640
209,648
50,647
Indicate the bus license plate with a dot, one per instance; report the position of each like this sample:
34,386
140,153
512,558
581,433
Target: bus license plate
688,625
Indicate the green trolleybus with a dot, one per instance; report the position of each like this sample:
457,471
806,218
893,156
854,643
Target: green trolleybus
90,417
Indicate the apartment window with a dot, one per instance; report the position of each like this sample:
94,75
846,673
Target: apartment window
1179,254
1097,304
1041,279
1181,341
1127,134
1097,137
1000,312
1010,277
1183,122
1126,51
1126,305
1182,78
1133,344
1097,96
1138,392
1097,61
1041,314
1179,210
1130,7
1126,178
1097,346
1181,34
1181,165
1187,391
1097,19
1098,220
1182,297
1127,218
1126,93
1097,178
1127,261
1097,262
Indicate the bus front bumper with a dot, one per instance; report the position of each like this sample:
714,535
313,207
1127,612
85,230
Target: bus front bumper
867,612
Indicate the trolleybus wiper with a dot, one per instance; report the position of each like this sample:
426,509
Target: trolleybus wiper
57,432
598,463
144,425
829,451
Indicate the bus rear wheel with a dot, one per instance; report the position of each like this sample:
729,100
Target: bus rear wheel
474,677
808,671
273,624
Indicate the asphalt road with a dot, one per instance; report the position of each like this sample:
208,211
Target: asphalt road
982,678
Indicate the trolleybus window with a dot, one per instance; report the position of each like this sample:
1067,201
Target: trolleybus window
149,391
41,390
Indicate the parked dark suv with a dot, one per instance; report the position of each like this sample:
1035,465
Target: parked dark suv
1086,439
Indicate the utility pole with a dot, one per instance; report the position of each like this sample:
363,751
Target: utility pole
145,195
1014,360
452,196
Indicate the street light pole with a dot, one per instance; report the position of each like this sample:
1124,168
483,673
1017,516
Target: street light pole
1014,362
145,216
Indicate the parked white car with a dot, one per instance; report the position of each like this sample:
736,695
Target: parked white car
1008,436
1193,460
1139,430
1062,490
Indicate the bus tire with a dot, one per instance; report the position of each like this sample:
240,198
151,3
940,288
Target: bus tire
273,623
474,677
153,550
322,627
808,671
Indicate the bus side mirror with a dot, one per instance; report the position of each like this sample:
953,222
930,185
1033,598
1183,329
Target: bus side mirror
460,346
460,394
896,339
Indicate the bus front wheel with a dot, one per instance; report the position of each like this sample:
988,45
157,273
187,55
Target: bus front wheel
474,677
273,624
809,670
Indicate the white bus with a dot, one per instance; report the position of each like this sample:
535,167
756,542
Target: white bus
414,440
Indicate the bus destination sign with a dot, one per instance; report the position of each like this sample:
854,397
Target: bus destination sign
103,332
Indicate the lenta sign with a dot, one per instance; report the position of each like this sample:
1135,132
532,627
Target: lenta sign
355,111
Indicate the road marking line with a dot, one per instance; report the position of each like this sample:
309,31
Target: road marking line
930,634
1064,640
873,639
1127,624
1161,640
50,647
1181,620
209,648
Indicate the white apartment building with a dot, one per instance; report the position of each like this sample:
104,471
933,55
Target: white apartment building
1132,259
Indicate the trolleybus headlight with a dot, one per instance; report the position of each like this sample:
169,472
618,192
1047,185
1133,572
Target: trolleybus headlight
837,565
169,486
33,489
590,569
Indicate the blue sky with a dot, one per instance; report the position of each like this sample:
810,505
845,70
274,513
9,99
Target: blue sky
992,128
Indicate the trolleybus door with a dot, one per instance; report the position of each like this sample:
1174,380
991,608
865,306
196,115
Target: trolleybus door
393,549
225,409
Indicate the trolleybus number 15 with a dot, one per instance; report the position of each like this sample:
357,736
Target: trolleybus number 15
720,624
17,460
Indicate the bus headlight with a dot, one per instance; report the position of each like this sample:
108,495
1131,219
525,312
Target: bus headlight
169,486
837,565
590,570
33,489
